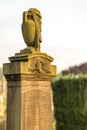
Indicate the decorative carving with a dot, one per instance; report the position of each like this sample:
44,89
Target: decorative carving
40,67
31,28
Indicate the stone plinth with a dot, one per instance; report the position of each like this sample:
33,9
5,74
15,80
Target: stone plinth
29,104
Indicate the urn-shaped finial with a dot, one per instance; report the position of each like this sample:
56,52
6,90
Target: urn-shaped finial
31,27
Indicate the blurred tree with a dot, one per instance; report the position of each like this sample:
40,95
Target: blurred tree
81,69
1,73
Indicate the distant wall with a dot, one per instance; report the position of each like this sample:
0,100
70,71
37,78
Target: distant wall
70,102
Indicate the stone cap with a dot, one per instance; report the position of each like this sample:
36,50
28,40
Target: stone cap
32,65
26,57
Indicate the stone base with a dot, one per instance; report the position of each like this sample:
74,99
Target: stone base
29,104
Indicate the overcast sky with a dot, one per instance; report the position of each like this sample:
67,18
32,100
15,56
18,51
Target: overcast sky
64,29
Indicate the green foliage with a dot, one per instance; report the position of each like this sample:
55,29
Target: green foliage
70,102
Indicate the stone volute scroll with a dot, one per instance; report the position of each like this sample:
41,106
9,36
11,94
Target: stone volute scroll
31,28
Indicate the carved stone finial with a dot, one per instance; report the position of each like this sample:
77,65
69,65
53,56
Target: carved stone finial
31,28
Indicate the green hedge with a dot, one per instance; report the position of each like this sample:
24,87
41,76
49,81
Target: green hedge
70,102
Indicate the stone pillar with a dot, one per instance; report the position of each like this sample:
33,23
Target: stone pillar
29,104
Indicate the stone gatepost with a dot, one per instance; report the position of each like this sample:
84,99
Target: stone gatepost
29,102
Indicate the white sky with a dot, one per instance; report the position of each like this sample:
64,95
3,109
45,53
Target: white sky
64,29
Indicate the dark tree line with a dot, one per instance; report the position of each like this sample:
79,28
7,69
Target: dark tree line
81,69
